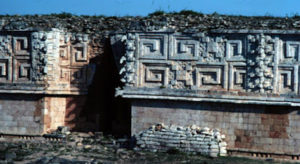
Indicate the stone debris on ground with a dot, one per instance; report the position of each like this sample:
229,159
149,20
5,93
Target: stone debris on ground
192,139
95,147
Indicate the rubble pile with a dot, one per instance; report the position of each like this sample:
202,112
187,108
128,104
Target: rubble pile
191,139
185,21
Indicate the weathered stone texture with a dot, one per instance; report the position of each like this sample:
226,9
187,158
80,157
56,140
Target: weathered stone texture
53,65
52,62
73,109
259,128
227,79
238,66
192,139
54,112
21,115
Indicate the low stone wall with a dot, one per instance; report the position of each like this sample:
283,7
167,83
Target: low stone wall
191,139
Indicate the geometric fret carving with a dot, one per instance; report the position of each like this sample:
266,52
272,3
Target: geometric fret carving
63,52
152,46
184,48
3,69
44,61
5,72
20,46
154,75
65,75
292,51
234,50
78,76
16,59
234,62
287,79
210,77
237,77
64,55
79,54
22,70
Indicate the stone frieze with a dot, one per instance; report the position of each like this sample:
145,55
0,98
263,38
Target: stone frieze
54,62
248,66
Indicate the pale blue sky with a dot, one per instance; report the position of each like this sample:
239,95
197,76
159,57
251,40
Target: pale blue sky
144,7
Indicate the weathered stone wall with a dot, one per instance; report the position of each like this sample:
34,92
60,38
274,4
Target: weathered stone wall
54,112
238,66
52,65
21,114
192,57
252,128
245,82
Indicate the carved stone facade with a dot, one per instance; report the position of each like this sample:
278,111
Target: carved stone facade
244,82
52,62
261,65
49,67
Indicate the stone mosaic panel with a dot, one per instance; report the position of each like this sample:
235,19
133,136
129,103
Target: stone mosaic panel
234,50
287,79
154,74
183,48
45,61
231,62
152,46
292,51
210,77
15,58
237,76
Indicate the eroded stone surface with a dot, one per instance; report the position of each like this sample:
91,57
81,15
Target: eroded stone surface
51,66
52,62
191,139
92,148
237,66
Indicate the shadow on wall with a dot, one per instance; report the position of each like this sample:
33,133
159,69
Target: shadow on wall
100,110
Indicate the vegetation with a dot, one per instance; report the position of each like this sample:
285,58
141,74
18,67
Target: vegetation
62,15
157,13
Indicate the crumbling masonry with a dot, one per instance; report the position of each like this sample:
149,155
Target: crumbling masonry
49,68
238,75
244,82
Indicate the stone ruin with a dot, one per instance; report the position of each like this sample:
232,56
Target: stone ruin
191,139
244,81
51,68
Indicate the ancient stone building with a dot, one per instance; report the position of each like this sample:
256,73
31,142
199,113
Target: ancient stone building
244,82
236,74
41,73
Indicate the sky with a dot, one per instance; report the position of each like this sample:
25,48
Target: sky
144,7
